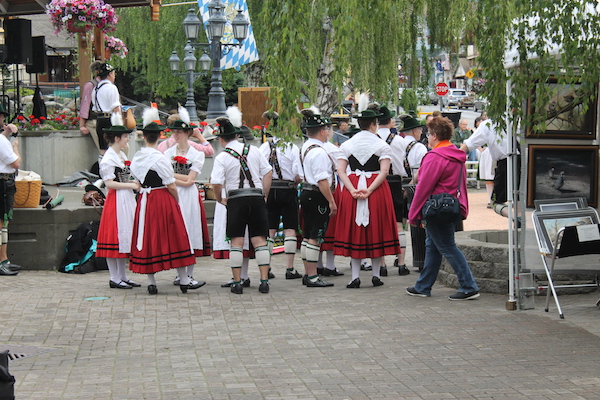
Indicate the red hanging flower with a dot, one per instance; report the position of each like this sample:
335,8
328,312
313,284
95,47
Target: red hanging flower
257,127
204,123
127,163
35,121
167,130
42,118
180,160
20,118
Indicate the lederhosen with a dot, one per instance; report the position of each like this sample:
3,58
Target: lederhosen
102,119
283,197
417,233
395,182
315,207
245,206
7,195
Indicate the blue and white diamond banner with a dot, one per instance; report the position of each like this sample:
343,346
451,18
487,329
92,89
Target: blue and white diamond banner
238,55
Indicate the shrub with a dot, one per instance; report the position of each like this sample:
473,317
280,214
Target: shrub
409,100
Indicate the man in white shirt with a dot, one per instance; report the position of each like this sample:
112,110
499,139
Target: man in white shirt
246,175
10,160
316,198
105,100
284,158
394,178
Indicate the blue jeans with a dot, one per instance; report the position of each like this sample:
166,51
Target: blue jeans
439,243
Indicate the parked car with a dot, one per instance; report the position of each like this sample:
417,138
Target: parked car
480,104
466,102
455,96
434,98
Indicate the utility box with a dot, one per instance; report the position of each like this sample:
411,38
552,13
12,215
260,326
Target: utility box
527,290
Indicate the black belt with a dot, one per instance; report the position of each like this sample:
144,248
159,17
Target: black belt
7,176
394,178
245,192
102,114
308,186
281,184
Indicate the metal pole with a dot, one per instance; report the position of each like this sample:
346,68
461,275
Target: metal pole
190,104
512,225
216,96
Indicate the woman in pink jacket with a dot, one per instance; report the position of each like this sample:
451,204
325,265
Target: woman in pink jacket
442,171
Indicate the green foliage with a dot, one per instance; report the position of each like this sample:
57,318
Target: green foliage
409,100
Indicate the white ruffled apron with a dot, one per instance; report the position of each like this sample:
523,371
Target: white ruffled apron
142,221
362,205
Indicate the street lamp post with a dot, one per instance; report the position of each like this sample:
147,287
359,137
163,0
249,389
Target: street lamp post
216,30
189,65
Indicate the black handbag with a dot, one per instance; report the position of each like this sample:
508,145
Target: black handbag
442,208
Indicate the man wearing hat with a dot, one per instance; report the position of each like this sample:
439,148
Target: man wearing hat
316,198
415,150
246,175
105,101
10,160
281,203
387,123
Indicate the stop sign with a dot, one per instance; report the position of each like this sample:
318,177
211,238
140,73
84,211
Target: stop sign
441,89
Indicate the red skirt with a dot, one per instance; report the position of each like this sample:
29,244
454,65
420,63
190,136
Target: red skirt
108,237
328,240
166,244
379,238
205,232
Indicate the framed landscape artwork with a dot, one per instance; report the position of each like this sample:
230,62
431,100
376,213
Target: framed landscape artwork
556,172
564,113
549,223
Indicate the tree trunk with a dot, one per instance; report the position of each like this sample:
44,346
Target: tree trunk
254,73
327,96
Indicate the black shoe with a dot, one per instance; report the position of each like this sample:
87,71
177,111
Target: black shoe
320,271
402,270
318,283
464,296
152,289
183,288
376,281
11,266
120,285
4,270
383,271
246,282
237,288
332,272
355,284
226,284
264,287
292,274
413,292
304,280
195,284
132,283
271,275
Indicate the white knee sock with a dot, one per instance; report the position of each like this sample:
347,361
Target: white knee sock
330,260
355,262
245,264
190,270
184,279
151,280
113,268
320,260
122,265
376,264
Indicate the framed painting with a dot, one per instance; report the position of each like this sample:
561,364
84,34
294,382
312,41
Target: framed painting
556,171
564,204
564,114
549,223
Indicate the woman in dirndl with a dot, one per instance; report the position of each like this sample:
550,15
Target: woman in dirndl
366,222
160,240
116,223
187,163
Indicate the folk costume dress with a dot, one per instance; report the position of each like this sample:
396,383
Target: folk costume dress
190,202
160,240
116,223
328,241
365,228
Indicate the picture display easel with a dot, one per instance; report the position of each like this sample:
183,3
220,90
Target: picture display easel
569,229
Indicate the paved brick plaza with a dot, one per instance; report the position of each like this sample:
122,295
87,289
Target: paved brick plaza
293,343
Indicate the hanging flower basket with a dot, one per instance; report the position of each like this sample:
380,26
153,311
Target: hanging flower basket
81,16
115,47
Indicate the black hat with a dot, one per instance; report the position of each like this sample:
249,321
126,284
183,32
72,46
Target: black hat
105,69
313,120
226,128
117,129
367,114
2,110
90,187
410,123
179,124
153,127
386,113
